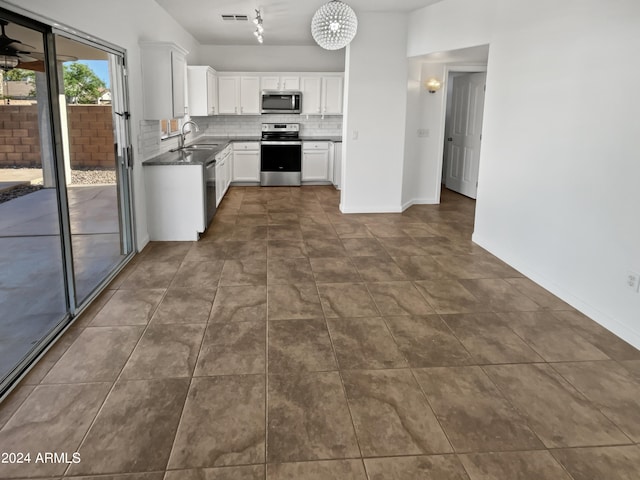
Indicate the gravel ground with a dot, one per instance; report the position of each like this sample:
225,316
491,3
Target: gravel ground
92,177
18,192
78,177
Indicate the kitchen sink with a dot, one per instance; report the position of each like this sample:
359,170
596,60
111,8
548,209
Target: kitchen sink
197,146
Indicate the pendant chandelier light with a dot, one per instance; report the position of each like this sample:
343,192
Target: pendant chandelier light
334,25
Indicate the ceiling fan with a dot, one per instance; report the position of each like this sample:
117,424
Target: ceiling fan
11,50
13,53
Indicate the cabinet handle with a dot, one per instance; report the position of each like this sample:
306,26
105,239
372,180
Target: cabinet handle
241,109
235,109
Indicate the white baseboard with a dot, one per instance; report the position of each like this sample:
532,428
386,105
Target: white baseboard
420,201
142,242
622,330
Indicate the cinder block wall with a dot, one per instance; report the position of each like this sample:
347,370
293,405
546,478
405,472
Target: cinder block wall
90,136
19,136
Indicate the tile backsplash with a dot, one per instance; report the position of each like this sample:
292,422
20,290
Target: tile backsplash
251,125
150,145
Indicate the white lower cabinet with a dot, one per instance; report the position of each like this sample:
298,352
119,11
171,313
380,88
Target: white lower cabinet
223,173
175,205
246,162
315,162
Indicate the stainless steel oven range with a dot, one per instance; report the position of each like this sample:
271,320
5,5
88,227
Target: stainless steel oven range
280,155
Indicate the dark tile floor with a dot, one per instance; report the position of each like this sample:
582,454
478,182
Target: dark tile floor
294,342
31,269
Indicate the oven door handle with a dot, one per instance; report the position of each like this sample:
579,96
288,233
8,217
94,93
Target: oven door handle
269,142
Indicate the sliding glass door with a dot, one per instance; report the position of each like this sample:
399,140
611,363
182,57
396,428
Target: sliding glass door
33,288
65,196
92,107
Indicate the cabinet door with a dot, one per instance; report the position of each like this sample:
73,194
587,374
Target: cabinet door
311,88
332,95
228,167
178,75
219,181
228,93
201,91
212,93
315,165
250,96
246,166
270,83
290,83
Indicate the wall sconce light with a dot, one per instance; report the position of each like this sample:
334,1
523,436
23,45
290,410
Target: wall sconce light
432,85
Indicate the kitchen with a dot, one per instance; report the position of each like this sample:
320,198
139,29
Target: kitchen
296,140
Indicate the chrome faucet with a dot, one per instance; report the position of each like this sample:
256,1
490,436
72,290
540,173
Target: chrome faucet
183,135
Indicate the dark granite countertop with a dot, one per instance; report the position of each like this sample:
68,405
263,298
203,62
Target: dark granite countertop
321,139
217,143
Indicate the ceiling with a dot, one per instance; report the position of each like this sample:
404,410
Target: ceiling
286,22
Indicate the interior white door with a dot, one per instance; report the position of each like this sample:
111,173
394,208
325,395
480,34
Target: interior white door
465,134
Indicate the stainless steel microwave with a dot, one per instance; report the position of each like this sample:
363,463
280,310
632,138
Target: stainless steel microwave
274,101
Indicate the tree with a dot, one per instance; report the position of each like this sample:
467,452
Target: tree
81,84
20,75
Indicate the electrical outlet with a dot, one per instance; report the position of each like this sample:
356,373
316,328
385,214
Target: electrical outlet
633,281
423,132
355,134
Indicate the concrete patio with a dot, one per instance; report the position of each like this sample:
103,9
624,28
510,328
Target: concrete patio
31,277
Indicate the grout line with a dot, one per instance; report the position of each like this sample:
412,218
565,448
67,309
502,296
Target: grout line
102,406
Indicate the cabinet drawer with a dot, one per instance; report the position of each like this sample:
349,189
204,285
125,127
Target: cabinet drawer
315,145
246,146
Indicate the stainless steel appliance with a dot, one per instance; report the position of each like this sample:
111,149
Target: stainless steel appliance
274,101
210,190
280,155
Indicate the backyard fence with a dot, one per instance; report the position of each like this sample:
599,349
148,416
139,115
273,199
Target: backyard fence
90,136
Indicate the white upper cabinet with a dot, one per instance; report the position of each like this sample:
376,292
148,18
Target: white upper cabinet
249,95
164,72
321,95
332,95
228,95
290,83
311,88
202,91
239,95
280,83
270,83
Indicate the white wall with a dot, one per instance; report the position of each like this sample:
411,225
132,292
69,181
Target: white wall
559,170
375,106
422,156
123,23
451,25
264,58
412,145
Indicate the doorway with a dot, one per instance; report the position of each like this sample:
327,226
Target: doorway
463,131
65,199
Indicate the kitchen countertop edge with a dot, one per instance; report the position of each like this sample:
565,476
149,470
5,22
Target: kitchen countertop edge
201,157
